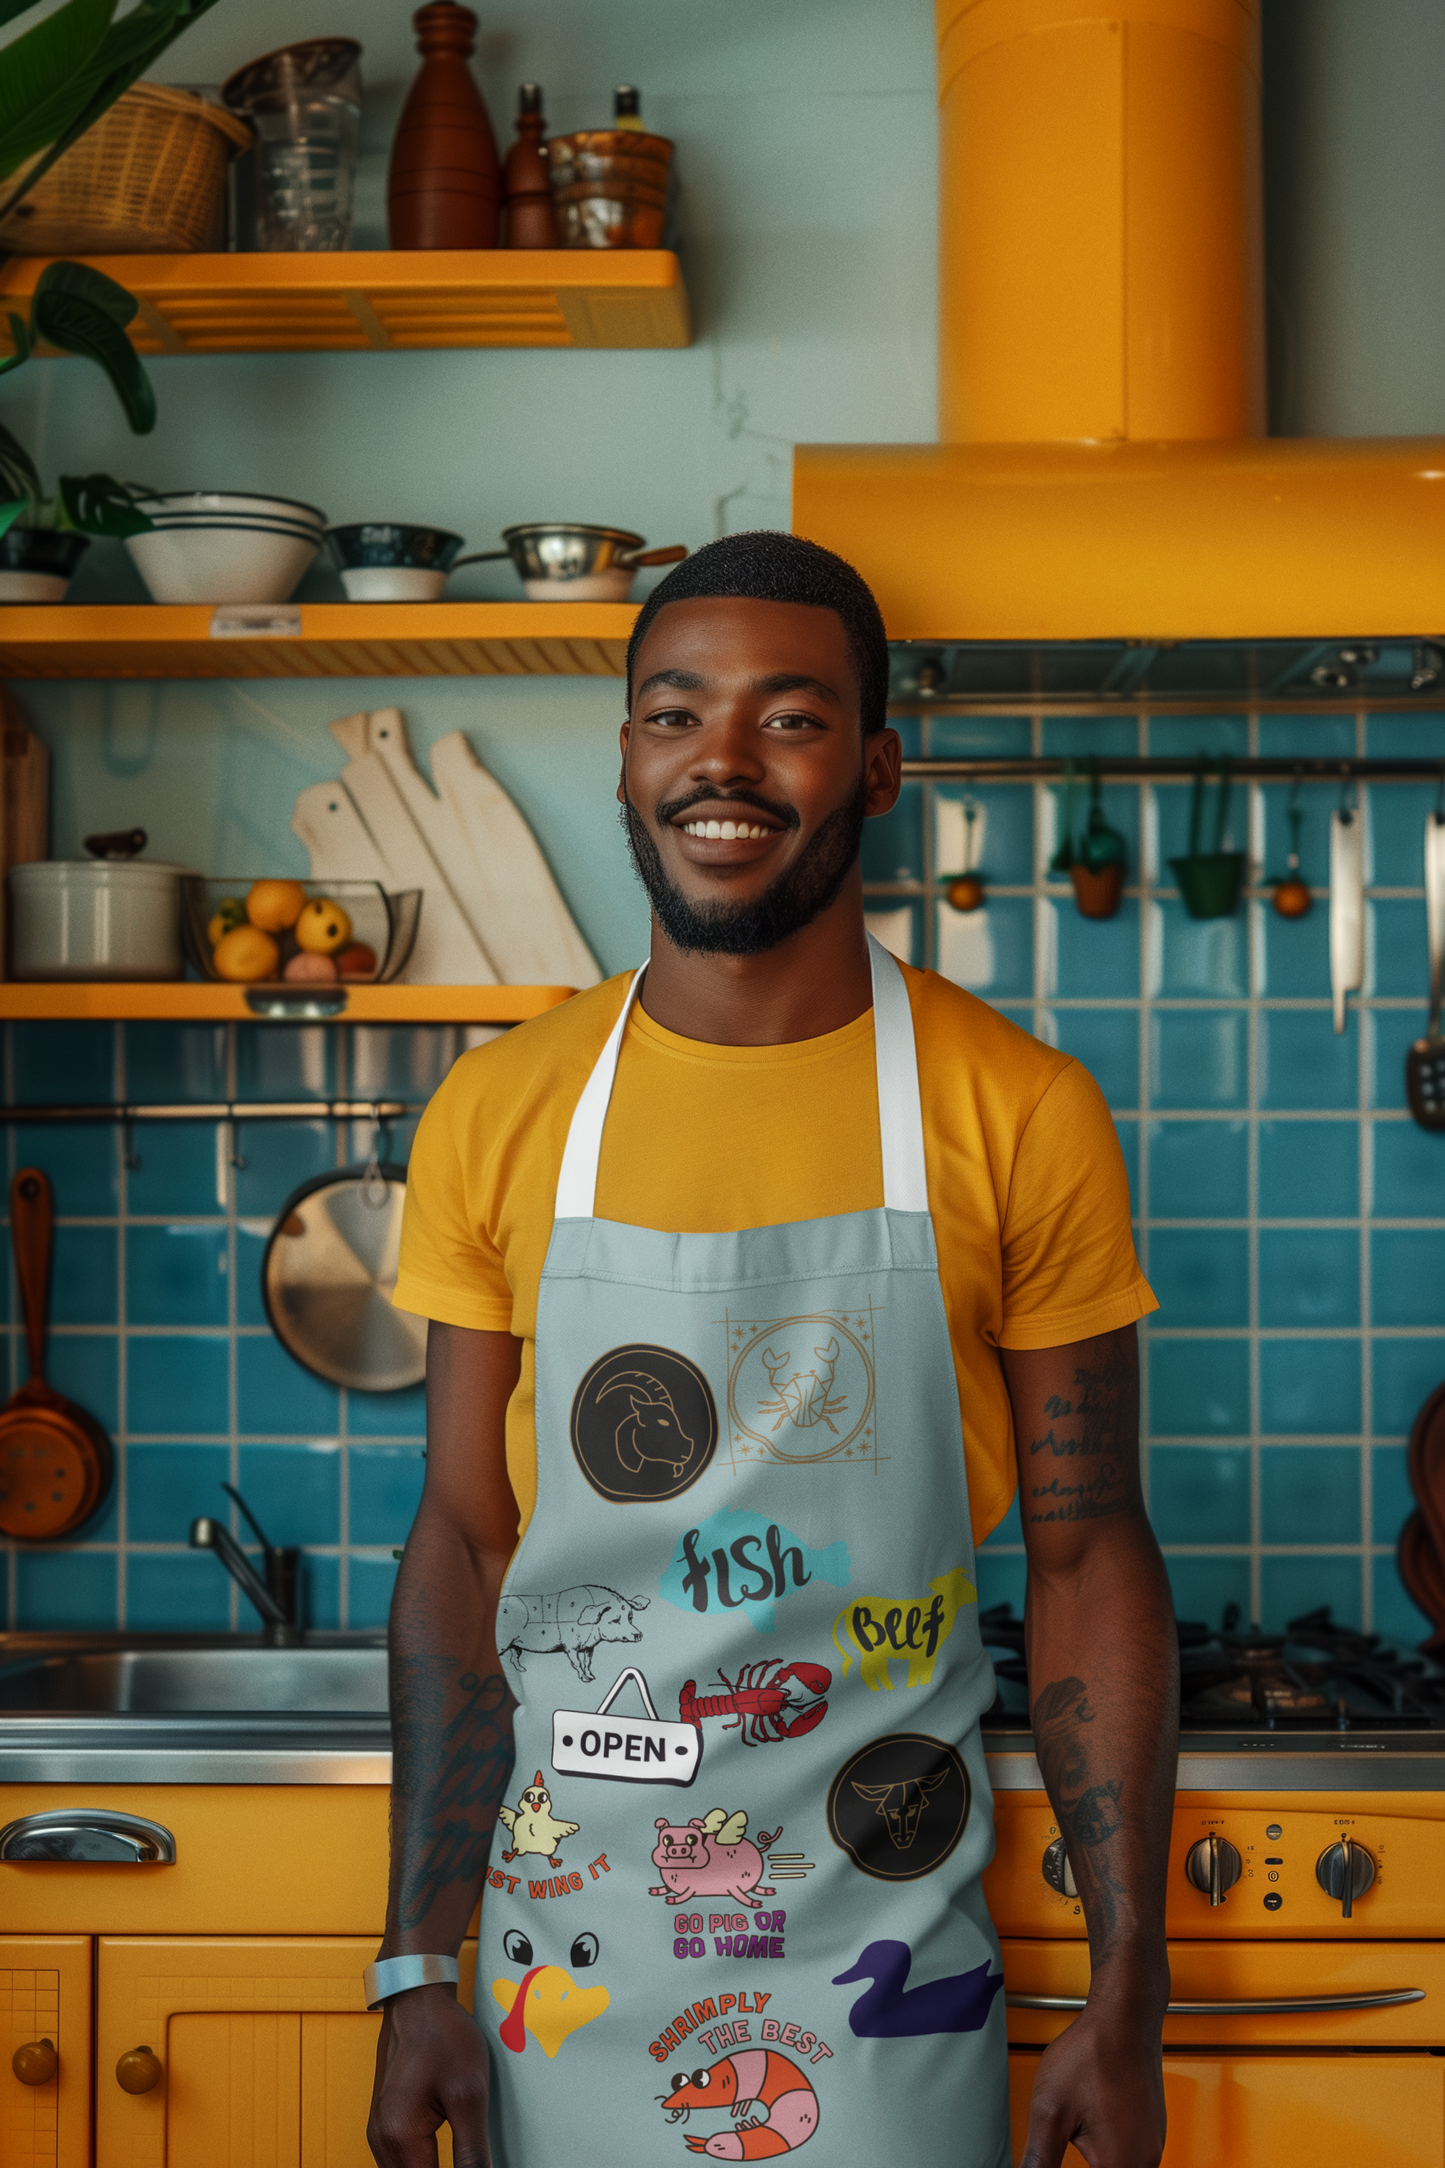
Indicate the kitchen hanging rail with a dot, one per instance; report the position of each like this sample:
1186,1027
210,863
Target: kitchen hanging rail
1164,768
380,1111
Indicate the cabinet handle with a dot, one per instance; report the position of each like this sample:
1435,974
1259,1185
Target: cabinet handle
138,2071
1282,2006
87,1836
36,2063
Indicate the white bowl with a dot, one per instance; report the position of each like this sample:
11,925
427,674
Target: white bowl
33,586
222,503
221,564
393,583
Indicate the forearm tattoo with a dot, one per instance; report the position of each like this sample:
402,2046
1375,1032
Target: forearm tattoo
1086,1804
452,1753
1091,1443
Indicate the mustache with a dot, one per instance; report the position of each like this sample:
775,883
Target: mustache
787,816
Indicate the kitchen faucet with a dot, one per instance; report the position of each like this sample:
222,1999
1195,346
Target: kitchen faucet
275,1597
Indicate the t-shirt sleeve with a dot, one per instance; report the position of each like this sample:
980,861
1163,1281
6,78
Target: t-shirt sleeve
451,1270
1069,1268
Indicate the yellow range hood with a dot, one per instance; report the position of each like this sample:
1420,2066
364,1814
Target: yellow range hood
1101,472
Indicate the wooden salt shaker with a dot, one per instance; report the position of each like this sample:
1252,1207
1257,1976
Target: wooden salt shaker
531,220
444,187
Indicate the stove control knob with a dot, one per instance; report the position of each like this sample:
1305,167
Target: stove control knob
1345,1870
1214,1866
1058,1872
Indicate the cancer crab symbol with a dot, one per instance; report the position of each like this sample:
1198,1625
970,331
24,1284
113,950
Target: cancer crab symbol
804,1395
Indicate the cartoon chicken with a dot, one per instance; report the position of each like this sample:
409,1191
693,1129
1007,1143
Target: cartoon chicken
532,1827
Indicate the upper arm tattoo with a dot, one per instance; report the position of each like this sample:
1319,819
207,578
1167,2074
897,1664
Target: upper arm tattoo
1090,1442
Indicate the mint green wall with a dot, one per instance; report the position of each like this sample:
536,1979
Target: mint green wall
807,154
1355,169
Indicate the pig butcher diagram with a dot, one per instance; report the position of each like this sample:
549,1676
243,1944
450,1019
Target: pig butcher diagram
651,1429
711,1857
573,1623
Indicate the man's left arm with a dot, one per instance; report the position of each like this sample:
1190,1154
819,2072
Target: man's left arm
1104,1686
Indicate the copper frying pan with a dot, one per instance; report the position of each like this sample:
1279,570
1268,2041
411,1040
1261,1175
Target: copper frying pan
55,1460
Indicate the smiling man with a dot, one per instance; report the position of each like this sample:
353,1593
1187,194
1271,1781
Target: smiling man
759,1281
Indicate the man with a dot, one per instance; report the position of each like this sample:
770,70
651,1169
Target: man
747,1285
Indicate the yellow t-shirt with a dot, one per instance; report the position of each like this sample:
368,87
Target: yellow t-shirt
1026,1181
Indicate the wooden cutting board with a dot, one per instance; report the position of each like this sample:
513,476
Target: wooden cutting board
24,805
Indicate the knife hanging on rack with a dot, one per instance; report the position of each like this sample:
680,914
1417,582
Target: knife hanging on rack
1347,903
1425,1062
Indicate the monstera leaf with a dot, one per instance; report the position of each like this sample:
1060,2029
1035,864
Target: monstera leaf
18,477
94,504
58,78
83,312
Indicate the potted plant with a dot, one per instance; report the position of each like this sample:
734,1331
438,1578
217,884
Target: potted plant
60,76
42,538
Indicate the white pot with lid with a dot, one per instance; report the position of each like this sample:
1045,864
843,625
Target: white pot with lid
104,917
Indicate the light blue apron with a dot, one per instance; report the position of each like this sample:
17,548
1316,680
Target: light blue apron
735,1909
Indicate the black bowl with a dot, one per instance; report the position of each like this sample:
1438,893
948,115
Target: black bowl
41,549
384,542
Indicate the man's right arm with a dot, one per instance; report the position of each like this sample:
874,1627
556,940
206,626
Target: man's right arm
452,1751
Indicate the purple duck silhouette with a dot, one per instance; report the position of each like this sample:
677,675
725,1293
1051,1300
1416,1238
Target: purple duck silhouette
891,2010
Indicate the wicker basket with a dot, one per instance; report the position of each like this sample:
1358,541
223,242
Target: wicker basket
148,178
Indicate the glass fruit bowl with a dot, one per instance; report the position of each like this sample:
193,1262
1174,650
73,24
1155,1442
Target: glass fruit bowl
305,935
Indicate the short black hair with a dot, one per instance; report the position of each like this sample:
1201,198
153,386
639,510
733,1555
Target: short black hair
769,566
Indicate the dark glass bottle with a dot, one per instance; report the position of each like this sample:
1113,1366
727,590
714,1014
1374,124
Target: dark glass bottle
531,219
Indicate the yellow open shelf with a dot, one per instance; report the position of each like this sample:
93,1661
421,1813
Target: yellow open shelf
330,640
385,299
202,1001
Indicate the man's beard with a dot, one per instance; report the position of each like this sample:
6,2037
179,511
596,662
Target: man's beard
799,894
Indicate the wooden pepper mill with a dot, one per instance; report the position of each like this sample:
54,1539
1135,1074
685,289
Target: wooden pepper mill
531,219
444,188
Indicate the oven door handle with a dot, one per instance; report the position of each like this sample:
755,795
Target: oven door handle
1282,2006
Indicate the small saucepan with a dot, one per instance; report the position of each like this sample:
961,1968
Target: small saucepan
385,561
566,561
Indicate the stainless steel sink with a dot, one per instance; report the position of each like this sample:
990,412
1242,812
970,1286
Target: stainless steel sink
161,1681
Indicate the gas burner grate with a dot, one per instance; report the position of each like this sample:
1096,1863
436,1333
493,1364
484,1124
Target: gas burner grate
1315,1676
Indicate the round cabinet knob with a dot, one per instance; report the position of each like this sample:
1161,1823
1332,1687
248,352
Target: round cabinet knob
36,2063
138,2071
1214,1866
1058,1872
1345,1870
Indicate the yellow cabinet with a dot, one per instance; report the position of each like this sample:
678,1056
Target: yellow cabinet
45,1997
263,2051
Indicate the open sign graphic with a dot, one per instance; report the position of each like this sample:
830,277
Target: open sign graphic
625,1749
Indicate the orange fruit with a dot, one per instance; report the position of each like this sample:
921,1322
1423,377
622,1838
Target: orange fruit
246,953
323,927
274,905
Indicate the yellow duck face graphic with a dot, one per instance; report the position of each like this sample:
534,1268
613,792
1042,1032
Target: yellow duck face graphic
548,2004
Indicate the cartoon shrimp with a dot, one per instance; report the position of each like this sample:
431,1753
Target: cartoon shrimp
774,2108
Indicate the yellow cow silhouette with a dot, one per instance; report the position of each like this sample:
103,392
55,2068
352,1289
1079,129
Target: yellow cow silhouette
883,1628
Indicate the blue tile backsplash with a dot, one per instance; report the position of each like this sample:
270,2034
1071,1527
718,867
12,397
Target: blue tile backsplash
157,1325
1289,1214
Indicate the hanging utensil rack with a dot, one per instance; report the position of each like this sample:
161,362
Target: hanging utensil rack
223,1110
1163,768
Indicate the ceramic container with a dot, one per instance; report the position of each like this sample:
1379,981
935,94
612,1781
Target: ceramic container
386,561
217,546
37,563
96,919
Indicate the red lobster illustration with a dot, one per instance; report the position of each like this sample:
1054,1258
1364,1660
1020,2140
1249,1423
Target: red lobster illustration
757,1699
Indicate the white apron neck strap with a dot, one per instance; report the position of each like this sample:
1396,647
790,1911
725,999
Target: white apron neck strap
900,1107
577,1182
